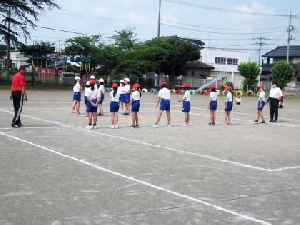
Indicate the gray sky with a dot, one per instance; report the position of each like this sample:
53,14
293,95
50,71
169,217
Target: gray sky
218,23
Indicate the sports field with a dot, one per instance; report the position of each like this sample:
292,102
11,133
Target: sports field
54,171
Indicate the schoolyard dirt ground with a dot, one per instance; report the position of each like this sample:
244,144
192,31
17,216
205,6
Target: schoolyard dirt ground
54,171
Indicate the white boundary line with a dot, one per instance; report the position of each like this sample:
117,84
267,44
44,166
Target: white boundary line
158,188
165,147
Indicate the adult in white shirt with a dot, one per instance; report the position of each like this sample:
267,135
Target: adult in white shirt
212,104
260,105
163,99
274,98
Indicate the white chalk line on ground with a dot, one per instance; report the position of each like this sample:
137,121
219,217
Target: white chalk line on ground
159,188
164,147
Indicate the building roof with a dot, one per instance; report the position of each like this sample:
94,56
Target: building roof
280,51
198,65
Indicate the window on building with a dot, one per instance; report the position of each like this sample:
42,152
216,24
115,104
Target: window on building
232,61
220,60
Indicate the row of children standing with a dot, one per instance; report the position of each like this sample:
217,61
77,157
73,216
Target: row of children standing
122,96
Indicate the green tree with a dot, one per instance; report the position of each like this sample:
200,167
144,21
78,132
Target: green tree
125,39
38,49
172,53
85,46
250,72
282,72
17,16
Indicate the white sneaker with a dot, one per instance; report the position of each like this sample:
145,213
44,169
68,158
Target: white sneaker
155,126
116,126
94,127
89,127
112,127
169,125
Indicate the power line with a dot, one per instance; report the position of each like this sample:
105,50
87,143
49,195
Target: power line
207,7
216,32
65,31
221,28
235,49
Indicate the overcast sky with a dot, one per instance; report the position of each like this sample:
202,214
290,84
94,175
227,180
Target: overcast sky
218,23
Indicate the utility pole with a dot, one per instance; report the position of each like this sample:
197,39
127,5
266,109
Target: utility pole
290,29
260,43
158,21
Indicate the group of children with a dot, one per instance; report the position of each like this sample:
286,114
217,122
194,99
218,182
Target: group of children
123,97
120,96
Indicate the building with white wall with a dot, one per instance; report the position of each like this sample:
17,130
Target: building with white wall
225,62
18,59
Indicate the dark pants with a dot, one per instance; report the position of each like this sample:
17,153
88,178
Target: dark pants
273,108
18,103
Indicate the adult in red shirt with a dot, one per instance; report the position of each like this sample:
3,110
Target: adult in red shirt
18,95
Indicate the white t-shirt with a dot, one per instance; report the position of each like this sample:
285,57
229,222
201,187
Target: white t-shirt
229,96
116,98
101,90
187,96
92,94
262,96
213,95
136,95
76,87
275,93
127,88
86,90
164,93
121,90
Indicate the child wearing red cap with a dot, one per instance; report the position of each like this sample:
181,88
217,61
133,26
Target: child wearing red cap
114,105
186,103
212,105
260,105
163,99
228,105
135,104
92,106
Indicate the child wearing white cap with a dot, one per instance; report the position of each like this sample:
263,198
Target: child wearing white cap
121,90
127,96
75,109
100,96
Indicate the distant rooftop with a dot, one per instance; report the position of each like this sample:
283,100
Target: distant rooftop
280,51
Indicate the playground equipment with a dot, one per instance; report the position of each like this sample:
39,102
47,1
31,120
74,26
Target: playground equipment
47,67
215,80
